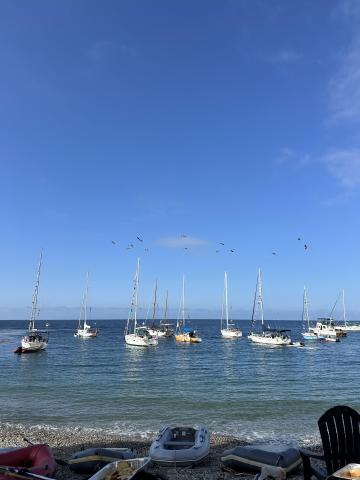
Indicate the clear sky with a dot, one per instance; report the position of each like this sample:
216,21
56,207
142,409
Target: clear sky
186,124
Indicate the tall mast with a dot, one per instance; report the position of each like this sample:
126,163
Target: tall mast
260,300
306,310
183,302
344,311
166,305
226,301
35,296
86,292
133,305
136,292
154,305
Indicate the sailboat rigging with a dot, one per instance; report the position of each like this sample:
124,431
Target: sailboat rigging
267,336
309,332
183,333
134,335
230,330
84,330
34,340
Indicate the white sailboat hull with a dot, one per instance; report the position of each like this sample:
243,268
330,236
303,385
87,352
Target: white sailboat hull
269,340
231,333
351,328
86,333
136,340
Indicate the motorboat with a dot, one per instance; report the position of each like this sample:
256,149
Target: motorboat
325,327
180,446
35,459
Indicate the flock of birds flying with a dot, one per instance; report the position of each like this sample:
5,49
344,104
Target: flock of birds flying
183,236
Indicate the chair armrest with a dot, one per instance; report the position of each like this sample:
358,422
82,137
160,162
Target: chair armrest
308,453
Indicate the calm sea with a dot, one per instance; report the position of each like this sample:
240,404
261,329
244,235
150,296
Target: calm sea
231,386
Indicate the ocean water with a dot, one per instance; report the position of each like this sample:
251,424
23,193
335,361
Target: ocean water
234,387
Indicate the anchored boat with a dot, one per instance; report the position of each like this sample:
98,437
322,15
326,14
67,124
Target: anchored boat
137,336
267,335
183,333
310,333
84,330
229,330
34,340
180,446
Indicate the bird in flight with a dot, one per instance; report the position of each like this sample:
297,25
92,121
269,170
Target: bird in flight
216,251
146,249
274,253
140,239
186,248
232,250
220,243
112,241
183,235
299,238
306,246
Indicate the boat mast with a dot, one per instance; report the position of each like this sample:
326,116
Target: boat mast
226,302
86,299
35,296
305,310
166,305
154,305
260,300
183,302
133,305
344,311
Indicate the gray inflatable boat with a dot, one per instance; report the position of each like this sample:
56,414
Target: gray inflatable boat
253,457
180,446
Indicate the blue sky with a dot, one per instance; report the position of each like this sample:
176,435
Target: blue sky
234,122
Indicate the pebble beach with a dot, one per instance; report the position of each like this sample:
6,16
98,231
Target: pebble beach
65,442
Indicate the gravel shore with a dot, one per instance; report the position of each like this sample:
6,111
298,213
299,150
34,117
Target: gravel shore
65,442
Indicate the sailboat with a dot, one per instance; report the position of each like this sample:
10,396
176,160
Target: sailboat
229,330
267,336
348,327
134,335
308,334
183,333
163,330
34,340
84,330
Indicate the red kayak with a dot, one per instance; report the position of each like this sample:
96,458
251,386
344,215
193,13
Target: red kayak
36,459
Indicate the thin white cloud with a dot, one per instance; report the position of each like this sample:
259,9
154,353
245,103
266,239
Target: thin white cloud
344,166
286,56
344,86
288,155
181,242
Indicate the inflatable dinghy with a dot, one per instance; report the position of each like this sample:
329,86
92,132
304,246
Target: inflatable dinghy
37,459
124,469
180,446
253,457
93,459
